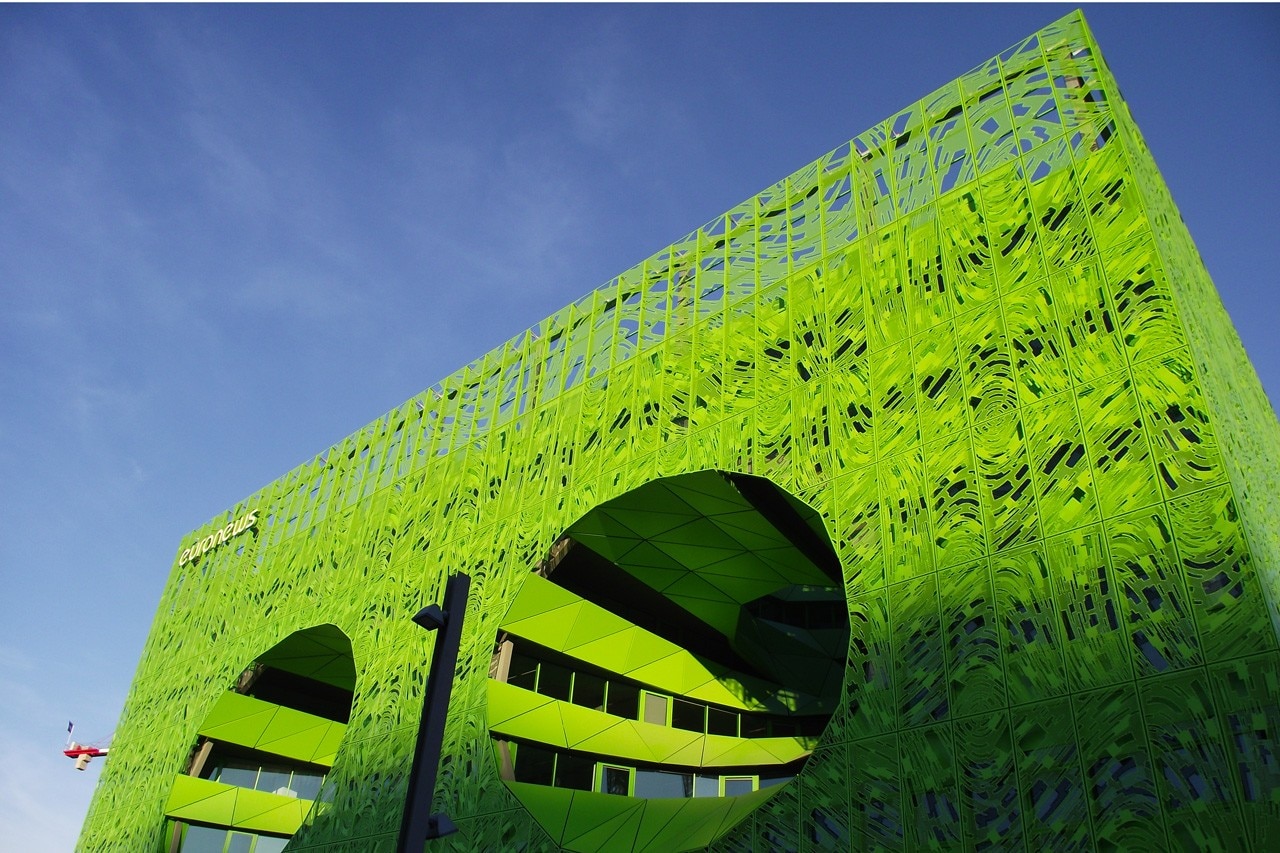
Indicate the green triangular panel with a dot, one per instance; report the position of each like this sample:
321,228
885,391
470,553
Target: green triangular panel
549,629
549,806
688,825
700,533
621,741
596,818
647,554
507,701
537,596
649,524
662,741
658,577
327,749
658,816
245,731
592,623
619,834
610,653
541,725
300,745
721,615
666,673
645,649
580,723
190,792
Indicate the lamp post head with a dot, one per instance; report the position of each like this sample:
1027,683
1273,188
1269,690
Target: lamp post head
431,617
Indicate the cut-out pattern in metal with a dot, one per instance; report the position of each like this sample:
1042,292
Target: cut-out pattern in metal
979,342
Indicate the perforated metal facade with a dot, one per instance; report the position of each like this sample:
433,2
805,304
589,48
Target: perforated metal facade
979,341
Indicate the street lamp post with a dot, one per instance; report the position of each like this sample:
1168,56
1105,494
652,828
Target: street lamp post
419,824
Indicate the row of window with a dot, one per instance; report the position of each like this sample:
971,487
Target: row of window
621,698
259,772
207,839
561,769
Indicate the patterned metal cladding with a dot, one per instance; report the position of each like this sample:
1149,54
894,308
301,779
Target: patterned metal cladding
979,340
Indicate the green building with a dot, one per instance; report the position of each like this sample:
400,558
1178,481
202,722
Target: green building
925,499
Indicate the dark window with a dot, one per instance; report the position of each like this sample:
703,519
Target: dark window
534,764
574,771
617,780
688,715
784,728
523,671
753,726
624,700
736,786
555,681
588,691
302,694
721,722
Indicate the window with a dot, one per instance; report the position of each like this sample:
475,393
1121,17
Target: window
206,839
655,709
534,764
615,780
687,715
663,784
574,771
735,786
588,690
623,700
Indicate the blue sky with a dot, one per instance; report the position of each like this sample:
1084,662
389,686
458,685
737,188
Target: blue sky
230,236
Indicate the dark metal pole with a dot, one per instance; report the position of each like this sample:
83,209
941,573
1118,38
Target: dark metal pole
418,823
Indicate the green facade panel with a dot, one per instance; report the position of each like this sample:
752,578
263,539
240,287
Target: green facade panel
979,342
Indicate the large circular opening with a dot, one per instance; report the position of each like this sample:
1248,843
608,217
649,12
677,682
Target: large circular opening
672,661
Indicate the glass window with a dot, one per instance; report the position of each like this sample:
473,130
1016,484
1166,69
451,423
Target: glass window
753,726
784,728
236,772
523,671
534,764
652,784
706,786
615,780
240,843
574,771
721,722
735,786
655,709
269,844
202,839
272,779
688,715
588,691
307,783
623,701
555,681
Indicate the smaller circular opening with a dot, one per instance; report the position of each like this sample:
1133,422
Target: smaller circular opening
274,732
